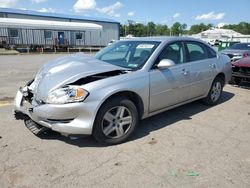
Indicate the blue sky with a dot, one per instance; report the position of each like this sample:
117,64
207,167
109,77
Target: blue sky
158,11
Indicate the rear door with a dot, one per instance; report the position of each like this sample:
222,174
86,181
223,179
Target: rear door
203,62
170,86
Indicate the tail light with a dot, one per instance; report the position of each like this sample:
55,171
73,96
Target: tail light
245,54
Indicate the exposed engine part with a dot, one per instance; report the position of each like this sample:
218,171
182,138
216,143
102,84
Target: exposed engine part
97,77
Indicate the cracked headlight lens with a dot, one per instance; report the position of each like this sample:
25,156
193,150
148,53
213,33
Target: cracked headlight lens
68,94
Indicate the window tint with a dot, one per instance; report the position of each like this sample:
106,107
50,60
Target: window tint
196,51
240,46
14,33
173,52
48,34
211,53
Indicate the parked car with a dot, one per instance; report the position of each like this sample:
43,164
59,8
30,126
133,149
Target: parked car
241,70
108,94
237,51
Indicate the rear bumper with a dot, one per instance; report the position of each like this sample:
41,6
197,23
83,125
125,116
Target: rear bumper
73,118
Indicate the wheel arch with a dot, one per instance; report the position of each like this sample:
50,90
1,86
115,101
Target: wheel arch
222,76
131,95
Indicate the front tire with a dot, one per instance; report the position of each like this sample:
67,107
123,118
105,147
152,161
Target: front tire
116,121
215,92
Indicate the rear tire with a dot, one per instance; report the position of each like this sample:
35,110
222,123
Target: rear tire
215,92
116,121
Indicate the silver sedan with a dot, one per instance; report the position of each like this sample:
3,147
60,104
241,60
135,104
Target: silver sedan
106,95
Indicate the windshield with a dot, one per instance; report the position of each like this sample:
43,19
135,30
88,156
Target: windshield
128,54
240,46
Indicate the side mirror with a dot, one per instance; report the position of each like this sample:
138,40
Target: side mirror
165,63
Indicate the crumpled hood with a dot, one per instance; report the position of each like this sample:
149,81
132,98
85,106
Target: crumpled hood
245,62
66,70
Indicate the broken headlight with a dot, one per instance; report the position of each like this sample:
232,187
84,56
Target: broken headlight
68,94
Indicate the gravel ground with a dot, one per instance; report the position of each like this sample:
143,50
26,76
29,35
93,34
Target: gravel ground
190,146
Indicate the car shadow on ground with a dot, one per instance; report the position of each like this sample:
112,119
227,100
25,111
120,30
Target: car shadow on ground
146,126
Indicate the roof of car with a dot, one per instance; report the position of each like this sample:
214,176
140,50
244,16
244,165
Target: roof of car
162,38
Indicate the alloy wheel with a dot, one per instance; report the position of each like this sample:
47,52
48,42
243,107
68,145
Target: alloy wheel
216,91
116,122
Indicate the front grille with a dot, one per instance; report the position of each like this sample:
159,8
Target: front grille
242,70
235,69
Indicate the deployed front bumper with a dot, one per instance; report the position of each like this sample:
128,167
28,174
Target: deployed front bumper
72,118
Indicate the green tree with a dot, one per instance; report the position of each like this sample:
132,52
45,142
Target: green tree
140,30
242,27
197,28
151,29
178,28
162,30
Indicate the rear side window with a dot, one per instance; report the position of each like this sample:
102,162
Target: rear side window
196,51
211,53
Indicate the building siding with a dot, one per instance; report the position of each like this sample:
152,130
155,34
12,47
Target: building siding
109,32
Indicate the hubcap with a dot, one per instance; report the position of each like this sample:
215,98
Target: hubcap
216,91
116,122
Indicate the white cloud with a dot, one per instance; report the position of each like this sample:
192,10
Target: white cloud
131,13
83,5
8,3
47,10
112,9
176,15
211,16
38,1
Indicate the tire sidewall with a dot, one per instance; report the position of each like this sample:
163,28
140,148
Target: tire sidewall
97,130
209,98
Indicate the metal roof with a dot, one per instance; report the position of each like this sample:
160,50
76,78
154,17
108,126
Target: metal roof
47,24
55,15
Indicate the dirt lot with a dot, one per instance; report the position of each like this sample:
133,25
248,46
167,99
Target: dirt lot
191,146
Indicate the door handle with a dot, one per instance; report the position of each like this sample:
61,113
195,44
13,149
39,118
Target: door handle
212,66
185,72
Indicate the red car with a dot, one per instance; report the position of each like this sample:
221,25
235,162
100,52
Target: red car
241,70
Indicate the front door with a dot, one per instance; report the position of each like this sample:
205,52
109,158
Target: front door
170,86
61,38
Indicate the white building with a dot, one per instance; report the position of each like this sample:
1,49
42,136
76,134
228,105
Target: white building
25,28
222,34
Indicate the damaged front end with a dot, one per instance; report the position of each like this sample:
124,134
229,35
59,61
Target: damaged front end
59,112
56,98
23,106
240,74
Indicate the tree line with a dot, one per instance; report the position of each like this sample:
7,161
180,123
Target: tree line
152,29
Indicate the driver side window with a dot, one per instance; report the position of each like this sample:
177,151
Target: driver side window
174,52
